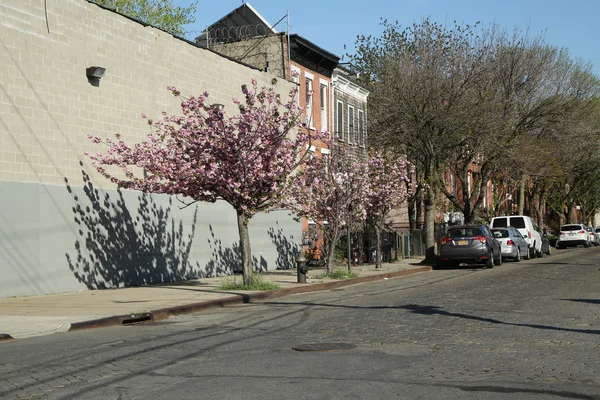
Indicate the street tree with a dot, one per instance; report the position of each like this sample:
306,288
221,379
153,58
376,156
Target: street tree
331,191
388,187
420,79
162,14
204,155
543,96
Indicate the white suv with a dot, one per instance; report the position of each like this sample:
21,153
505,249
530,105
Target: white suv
527,227
573,235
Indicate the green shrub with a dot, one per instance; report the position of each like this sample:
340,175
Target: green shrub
256,283
338,274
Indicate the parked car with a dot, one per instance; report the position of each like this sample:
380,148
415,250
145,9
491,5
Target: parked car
513,244
573,235
471,244
594,240
528,229
597,233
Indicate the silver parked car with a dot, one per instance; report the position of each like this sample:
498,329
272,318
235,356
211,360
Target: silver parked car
593,236
513,244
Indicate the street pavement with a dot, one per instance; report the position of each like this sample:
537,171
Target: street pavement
522,330
23,317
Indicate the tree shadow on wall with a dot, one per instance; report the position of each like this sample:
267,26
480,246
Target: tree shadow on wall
227,260
287,251
117,249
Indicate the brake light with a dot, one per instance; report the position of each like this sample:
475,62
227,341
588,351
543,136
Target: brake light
562,233
529,234
446,240
482,239
581,231
510,243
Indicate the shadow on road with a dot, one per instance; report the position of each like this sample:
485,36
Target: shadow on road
434,310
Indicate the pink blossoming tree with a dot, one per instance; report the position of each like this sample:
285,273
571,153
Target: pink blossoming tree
204,155
388,188
330,190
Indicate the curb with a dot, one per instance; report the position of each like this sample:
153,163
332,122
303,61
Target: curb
5,337
111,321
164,313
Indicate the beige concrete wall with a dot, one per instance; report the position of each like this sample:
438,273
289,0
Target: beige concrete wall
62,231
47,105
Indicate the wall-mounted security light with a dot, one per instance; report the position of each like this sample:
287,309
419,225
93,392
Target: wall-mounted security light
95,72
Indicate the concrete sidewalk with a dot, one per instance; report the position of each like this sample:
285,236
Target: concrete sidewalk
24,317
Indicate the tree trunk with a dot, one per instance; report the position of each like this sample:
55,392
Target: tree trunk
377,247
568,213
522,195
242,221
540,208
330,261
468,214
418,209
429,200
360,247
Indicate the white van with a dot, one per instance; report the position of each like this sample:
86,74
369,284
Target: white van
527,227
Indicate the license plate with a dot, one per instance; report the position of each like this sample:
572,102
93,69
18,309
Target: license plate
463,242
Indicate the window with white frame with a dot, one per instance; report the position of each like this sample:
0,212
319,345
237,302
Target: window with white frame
323,94
361,127
339,120
309,109
351,137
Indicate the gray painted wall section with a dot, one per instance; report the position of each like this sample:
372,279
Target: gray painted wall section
61,239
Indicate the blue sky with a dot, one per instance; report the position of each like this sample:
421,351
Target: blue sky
331,24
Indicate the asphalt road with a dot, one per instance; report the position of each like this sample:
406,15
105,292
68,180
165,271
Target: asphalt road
528,330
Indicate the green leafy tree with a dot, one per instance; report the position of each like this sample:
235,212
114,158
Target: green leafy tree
159,13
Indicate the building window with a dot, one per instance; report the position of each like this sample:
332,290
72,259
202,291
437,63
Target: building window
351,137
361,127
323,107
309,95
339,122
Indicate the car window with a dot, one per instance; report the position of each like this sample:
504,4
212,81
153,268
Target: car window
517,222
500,233
500,223
465,232
566,228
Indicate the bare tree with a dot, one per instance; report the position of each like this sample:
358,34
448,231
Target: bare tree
419,78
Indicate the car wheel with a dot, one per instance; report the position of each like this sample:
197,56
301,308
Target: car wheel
518,257
498,262
532,253
526,255
540,253
489,263
586,245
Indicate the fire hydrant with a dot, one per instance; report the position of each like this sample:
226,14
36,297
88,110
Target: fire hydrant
302,268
